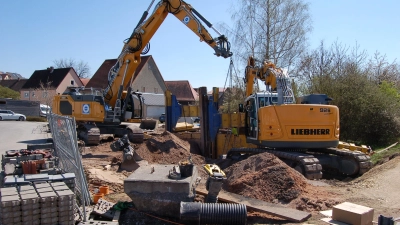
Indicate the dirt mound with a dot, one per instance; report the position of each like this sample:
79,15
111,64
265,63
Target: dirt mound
166,148
264,177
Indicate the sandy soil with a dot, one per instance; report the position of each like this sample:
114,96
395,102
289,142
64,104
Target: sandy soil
262,176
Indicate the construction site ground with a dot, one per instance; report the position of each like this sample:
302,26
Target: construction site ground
262,177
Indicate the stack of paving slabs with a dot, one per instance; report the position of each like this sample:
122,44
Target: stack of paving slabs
10,206
65,204
48,204
30,208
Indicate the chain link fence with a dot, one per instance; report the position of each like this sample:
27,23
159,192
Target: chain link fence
63,130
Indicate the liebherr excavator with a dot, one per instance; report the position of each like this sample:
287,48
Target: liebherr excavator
90,111
305,136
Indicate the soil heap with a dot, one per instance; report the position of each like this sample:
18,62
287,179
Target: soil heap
265,177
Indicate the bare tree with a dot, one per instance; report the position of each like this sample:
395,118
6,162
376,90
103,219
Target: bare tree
45,93
274,30
81,68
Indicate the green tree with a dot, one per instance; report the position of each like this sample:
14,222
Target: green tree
6,92
366,91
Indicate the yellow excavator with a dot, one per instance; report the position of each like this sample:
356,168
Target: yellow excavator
90,111
305,136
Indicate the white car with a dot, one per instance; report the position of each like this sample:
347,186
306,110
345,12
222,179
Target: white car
10,115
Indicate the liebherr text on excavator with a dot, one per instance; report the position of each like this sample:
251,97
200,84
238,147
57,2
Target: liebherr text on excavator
90,110
305,136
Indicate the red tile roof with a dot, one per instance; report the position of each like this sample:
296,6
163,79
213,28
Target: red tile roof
85,81
182,90
100,78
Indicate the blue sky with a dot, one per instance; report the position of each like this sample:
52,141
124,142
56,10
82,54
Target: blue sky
35,33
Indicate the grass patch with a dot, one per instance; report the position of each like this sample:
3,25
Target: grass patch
381,154
36,118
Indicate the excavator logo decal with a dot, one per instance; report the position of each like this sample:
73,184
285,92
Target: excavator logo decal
186,20
309,131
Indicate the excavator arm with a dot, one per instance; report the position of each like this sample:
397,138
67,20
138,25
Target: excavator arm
267,73
121,74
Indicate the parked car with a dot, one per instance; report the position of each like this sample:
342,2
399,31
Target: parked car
10,115
162,118
44,110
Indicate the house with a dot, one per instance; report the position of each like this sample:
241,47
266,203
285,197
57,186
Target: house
44,84
147,77
10,76
14,85
5,76
184,92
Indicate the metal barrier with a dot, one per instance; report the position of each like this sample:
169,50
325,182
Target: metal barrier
63,130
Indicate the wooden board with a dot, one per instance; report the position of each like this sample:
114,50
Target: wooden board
261,206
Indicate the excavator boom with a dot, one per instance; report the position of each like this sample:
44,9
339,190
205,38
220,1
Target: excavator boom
121,74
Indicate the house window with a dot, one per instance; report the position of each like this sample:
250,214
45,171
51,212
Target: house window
33,94
45,94
156,90
72,82
26,94
143,89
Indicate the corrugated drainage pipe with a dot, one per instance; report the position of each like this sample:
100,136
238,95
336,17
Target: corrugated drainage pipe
213,213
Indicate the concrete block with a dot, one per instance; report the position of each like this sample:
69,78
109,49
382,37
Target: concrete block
29,199
66,214
6,210
48,204
28,192
65,195
61,188
8,191
49,209
11,220
156,193
10,201
66,203
26,188
66,208
45,189
13,214
31,222
41,185
32,212
49,220
46,197
55,184
66,218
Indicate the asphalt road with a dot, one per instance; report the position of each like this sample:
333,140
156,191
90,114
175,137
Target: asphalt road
16,135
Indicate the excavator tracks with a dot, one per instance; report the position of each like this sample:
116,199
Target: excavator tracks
351,163
306,164
312,162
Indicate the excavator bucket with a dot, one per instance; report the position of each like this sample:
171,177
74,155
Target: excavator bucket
148,124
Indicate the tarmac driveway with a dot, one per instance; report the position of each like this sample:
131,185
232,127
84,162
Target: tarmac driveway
18,134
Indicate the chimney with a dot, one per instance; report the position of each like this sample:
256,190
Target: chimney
51,69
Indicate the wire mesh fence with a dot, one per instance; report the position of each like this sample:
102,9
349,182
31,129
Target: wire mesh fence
63,130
